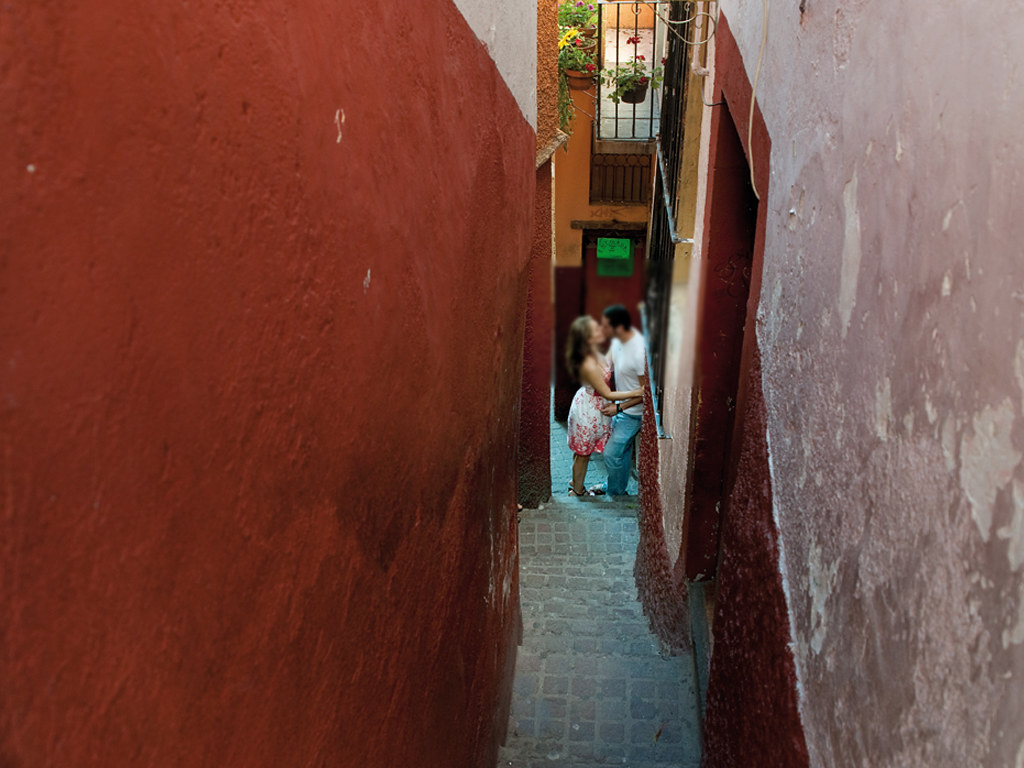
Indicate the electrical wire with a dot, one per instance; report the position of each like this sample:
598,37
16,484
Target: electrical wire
753,96
669,22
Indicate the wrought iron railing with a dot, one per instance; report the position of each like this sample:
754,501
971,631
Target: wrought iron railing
628,30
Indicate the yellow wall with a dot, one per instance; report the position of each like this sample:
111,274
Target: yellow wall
681,344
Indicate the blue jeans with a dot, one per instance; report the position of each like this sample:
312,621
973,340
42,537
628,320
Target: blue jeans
618,453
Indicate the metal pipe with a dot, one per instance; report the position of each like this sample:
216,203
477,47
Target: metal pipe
668,203
618,35
636,35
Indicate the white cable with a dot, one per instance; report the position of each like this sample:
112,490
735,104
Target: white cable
753,95
703,72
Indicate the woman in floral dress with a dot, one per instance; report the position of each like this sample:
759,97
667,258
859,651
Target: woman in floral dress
589,429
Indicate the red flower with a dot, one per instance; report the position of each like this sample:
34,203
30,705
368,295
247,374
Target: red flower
633,41
643,80
591,67
640,58
663,59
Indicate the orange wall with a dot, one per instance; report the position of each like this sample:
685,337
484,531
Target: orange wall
572,187
547,73
625,16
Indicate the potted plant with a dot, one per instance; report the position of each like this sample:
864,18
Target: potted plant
586,44
576,61
577,14
629,82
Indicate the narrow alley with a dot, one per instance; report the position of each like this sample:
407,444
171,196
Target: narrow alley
297,297
592,687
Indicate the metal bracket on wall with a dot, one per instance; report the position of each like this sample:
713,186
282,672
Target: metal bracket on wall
578,108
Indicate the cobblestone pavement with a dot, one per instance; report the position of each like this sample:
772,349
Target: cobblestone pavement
591,687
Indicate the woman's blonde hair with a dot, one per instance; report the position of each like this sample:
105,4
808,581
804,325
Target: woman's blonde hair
578,346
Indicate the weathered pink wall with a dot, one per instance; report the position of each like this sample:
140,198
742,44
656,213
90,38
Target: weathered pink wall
891,329
260,342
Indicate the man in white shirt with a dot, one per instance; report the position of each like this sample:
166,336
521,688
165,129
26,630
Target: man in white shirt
629,366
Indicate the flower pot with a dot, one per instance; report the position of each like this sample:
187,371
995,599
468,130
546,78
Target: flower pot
636,94
589,47
590,31
578,81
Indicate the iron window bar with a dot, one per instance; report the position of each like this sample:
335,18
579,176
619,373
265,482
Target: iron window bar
664,235
655,390
660,29
628,126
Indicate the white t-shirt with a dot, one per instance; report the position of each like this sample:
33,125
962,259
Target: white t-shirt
629,362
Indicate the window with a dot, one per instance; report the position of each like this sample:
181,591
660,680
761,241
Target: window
621,179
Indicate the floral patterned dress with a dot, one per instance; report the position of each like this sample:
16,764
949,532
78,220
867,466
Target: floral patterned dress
589,429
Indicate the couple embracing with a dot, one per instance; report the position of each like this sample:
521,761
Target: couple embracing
602,420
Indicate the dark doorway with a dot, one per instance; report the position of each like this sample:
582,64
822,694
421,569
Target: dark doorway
590,288
724,292
603,286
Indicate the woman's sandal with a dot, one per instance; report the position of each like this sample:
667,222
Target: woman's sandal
595,490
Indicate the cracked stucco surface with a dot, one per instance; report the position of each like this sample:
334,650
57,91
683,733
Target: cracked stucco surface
891,329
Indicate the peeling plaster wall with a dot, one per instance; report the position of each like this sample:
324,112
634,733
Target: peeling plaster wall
260,352
751,714
891,328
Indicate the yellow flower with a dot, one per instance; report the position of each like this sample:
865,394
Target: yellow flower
568,37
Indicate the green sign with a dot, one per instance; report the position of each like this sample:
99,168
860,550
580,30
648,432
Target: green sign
614,257
614,248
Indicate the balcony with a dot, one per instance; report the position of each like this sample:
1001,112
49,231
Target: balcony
628,30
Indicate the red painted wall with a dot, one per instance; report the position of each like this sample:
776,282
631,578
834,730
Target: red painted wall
260,337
